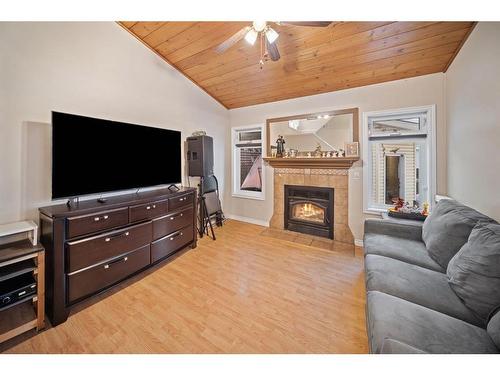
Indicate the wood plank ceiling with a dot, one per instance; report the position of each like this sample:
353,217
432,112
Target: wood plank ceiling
313,60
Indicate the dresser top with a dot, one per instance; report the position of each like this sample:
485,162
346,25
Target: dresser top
91,205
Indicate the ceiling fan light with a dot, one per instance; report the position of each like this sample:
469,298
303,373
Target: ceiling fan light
259,25
293,124
251,36
271,35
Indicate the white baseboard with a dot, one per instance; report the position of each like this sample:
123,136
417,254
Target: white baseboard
358,243
248,220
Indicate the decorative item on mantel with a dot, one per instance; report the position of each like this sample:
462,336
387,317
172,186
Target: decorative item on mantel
402,210
317,152
352,149
280,146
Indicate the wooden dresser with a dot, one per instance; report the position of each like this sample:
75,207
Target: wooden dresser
93,246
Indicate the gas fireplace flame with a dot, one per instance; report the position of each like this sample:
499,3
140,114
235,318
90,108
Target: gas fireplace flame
309,211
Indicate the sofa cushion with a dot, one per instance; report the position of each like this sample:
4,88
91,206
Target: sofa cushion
418,285
474,272
421,328
447,229
494,328
407,229
409,251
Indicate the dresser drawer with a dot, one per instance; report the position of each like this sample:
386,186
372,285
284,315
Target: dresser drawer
148,211
88,281
167,245
181,201
89,251
165,225
80,225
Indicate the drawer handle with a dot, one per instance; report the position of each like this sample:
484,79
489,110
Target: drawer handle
106,266
175,217
182,199
176,235
116,236
97,218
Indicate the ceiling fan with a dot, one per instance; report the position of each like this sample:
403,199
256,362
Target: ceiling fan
267,36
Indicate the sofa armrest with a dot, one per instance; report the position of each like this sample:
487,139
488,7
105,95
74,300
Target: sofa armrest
392,346
393,228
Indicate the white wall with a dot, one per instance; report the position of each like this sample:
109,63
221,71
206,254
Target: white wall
473,121
411,92
95,69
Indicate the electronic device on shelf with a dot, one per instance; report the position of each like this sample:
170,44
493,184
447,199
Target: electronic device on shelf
200,156
16,289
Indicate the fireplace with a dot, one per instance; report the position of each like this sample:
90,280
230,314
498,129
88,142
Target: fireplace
309,209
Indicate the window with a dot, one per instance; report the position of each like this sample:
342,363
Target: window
248,177
399,152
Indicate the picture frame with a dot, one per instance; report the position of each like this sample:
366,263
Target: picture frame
352,149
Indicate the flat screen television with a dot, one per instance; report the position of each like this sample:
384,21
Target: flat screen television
91,156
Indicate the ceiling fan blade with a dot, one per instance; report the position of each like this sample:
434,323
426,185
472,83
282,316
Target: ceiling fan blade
235,38
307,23
272,49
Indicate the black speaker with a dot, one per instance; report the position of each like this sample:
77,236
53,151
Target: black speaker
200,155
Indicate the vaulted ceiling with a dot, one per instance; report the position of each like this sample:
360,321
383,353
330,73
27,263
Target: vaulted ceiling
313,60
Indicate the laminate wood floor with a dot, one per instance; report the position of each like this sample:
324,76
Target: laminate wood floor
247,292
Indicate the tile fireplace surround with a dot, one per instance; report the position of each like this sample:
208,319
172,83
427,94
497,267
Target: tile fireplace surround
333,178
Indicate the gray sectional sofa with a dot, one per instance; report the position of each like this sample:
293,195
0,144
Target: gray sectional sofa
433,288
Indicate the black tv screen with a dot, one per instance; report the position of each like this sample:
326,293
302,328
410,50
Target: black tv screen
91,156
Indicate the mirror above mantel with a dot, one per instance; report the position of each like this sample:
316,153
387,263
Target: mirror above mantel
316,140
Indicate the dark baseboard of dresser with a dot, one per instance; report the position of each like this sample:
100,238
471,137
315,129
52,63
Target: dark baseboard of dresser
92,246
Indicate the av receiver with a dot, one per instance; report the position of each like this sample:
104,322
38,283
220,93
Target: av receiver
16,289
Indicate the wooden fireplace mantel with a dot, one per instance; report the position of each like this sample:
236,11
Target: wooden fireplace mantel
321,163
